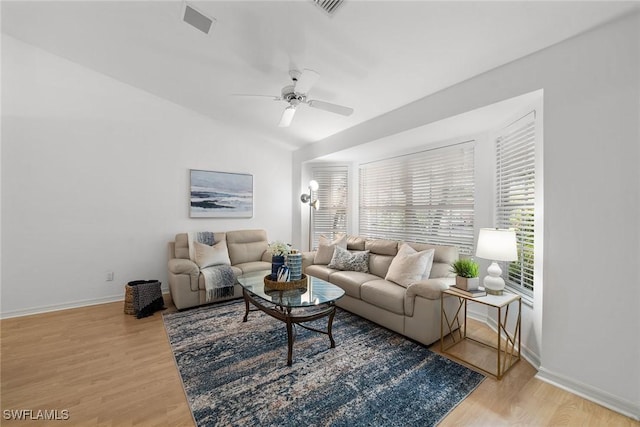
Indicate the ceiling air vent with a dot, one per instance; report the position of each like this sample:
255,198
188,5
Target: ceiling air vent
328,6
197,19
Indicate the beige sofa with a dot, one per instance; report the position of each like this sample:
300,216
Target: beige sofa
248,251
414,310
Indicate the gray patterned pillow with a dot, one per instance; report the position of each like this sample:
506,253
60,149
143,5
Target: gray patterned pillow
350,261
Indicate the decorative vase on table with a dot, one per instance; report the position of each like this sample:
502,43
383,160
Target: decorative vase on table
294,262
277,261
283,274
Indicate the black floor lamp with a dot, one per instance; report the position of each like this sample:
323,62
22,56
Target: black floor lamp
313,205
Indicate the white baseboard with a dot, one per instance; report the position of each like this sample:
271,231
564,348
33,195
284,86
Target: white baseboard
585,391
588,392
65,306
525,352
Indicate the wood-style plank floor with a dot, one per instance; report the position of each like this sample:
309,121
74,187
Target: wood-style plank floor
111,369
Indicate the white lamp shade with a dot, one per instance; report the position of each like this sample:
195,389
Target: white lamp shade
497,244
313,185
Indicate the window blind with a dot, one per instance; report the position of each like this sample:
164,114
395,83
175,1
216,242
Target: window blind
331,217
515,198
425,197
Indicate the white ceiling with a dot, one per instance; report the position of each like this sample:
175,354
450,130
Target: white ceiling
469,125
373,56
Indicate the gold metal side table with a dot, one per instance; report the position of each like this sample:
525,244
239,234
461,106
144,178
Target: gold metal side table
507,345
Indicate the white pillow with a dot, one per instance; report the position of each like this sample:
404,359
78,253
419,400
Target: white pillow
325,248
410,266
206,255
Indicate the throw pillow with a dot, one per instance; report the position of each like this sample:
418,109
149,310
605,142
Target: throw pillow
409,265
206,255
350,261
326,247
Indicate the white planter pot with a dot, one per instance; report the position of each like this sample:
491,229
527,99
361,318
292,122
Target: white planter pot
468,284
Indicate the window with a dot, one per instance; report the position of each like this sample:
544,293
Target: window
331,217
425,197
515,197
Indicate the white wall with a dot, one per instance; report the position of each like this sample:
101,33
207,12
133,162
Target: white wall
590,342
95,178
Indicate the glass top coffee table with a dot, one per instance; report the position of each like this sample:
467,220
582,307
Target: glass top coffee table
294,306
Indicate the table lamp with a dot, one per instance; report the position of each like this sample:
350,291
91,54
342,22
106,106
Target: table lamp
496,244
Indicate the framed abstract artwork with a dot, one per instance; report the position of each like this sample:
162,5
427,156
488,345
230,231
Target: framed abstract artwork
221,194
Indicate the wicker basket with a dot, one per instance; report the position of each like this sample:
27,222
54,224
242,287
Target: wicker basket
128,300
285,286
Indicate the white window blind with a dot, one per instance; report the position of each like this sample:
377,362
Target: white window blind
515,198
331,218
425,197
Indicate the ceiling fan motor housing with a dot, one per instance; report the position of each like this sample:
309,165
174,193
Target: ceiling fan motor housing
296,94
289,94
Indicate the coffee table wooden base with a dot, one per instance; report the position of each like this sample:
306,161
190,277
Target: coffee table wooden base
285,315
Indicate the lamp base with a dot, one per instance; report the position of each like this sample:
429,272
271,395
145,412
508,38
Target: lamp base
494,283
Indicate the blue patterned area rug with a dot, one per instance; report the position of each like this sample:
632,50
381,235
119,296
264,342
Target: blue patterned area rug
236,374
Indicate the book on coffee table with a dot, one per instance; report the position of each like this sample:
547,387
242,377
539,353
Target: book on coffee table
480,292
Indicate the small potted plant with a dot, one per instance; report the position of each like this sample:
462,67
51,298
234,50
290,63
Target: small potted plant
466,271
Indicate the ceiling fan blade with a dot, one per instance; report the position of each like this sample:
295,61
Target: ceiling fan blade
306,80
287,116
334,108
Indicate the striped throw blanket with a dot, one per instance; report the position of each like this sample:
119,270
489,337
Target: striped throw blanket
218,279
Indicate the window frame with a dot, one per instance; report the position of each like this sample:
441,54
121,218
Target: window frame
516,199
333,204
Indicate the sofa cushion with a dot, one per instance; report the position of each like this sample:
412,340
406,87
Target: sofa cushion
248,267
409,266
320,271
356,243
443,257
325,248
439,269
379,264
382,247
206,256
350,261
246,245
181,244
351,281
384,294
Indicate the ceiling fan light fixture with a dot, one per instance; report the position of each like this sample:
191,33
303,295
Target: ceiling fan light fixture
287,116
296,94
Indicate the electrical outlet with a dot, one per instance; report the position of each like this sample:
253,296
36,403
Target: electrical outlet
109,276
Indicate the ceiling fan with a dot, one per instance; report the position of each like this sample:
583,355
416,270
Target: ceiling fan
296,94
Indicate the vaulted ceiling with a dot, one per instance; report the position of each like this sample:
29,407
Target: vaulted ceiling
373,56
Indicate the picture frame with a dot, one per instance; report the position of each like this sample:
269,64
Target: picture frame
216,194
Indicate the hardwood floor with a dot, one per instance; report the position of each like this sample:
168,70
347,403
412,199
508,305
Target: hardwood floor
521,399
110,369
